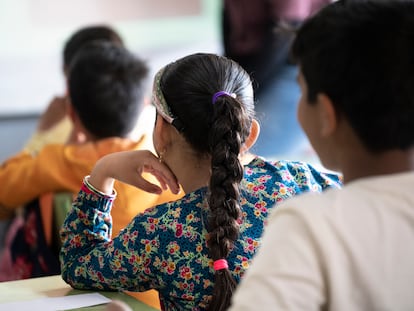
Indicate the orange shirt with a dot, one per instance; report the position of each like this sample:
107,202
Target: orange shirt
61,168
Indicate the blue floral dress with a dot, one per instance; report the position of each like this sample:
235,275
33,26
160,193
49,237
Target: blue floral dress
165,247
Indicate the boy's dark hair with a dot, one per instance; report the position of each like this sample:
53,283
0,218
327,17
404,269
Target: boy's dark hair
107,84
217,129
88,34
361,54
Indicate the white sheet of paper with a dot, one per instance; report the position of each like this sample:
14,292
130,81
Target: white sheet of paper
56,303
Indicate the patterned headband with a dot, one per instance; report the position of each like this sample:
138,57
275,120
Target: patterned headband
158,99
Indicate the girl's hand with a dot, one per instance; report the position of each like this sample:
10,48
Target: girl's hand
127,167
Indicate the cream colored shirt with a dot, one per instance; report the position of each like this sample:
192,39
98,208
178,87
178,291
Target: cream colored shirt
348,249
58,134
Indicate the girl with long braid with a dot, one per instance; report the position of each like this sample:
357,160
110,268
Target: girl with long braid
195,250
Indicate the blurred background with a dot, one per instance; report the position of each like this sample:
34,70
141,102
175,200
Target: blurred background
33,33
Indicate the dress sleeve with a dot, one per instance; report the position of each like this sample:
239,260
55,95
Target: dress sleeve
90,259
286,272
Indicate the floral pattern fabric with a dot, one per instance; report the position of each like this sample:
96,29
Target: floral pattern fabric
165,247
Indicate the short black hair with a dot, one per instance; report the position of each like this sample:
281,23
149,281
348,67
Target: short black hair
107,84
88,34
361,54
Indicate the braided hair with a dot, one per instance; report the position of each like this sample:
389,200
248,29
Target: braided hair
217,128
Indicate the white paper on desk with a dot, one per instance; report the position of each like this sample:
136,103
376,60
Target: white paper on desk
56,303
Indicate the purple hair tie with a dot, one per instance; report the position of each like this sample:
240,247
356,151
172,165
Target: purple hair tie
222,93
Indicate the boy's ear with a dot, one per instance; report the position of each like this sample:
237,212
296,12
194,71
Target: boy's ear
73,116
251,139
78,126
327,115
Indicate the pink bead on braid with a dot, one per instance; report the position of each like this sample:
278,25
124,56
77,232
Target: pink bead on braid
220,264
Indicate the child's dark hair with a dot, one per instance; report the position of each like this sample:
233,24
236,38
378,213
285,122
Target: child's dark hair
107,85
361,54
88,34
216,128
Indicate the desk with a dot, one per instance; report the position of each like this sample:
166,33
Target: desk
54,286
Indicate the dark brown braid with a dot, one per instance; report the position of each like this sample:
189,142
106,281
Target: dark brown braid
216,130
227,172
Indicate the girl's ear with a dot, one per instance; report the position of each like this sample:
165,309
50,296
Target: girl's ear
251,139
157,131
328,118
161,133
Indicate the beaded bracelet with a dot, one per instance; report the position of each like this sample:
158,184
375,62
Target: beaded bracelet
96,191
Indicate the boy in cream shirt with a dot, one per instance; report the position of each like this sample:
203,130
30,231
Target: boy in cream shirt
348,249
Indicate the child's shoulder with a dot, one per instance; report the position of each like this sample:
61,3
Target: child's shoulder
297,171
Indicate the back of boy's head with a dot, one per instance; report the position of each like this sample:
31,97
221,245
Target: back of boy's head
361,54
85,35
107,85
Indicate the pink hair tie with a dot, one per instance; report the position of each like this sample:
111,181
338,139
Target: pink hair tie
220,264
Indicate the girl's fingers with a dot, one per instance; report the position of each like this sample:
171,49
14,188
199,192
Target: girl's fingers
128,167
147,186
164,176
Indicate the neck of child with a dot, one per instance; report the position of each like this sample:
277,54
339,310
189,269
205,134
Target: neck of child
367,164
82,137
192,172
